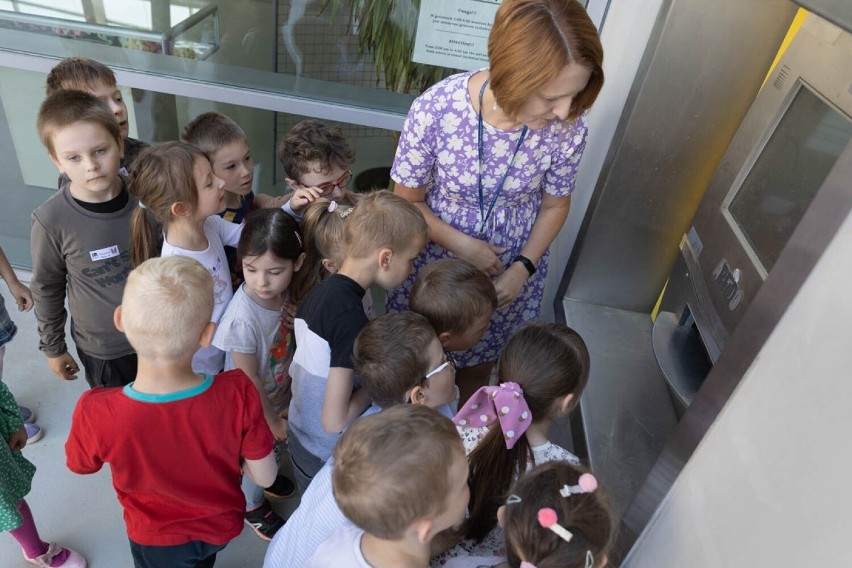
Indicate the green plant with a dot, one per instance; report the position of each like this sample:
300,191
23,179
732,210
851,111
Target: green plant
386,30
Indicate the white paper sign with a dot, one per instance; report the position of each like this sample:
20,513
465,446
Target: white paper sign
454,33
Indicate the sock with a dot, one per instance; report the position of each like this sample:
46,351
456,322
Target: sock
31,543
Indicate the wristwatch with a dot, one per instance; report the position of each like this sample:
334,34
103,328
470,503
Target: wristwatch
528,264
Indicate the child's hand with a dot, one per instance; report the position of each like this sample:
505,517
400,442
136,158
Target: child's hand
23,296
64,366
288,313
303,196
18,440
279,429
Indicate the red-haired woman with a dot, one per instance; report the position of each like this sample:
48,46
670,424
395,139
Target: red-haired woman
490,158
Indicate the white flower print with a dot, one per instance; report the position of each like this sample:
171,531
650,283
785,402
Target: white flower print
467,178
500,148
449,123
455,143
446,157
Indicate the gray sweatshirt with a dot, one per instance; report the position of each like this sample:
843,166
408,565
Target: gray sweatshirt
86,255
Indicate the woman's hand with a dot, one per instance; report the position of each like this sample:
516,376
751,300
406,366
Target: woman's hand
288,313
479,253
509,284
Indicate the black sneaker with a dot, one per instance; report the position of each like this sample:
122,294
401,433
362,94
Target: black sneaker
282,488
264,521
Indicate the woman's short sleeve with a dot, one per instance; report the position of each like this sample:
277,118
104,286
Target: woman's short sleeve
415,153
569,142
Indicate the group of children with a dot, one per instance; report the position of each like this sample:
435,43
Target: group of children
233,322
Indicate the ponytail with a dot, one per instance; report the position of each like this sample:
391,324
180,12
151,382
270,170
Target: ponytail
146,237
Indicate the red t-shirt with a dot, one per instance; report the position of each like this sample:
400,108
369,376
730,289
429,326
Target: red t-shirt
175,458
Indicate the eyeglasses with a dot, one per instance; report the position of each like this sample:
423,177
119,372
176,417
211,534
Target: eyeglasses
450,362
341,182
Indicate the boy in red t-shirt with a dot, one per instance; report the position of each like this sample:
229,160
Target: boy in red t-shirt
176,441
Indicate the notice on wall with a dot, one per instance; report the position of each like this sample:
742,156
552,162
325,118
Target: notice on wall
454,33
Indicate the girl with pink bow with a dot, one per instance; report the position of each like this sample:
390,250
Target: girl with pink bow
542,370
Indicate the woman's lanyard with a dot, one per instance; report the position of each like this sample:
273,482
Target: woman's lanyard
483,215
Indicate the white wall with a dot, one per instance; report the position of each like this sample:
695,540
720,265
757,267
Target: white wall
769,485
625,35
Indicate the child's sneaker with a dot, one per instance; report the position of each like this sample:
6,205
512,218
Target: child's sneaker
282,488
73,559
34,432
27,415
264,521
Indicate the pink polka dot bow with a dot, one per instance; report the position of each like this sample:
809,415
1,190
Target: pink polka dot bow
505,404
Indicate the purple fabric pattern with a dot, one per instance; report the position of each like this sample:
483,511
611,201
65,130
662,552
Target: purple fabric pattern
438,151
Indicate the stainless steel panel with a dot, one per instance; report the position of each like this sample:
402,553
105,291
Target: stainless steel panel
683,113
837,11
818,227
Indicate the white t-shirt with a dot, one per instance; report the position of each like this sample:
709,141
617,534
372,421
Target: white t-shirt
341,550
219,233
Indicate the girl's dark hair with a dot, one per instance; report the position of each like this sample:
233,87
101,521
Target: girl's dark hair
548,361
586,515
273,231
162,175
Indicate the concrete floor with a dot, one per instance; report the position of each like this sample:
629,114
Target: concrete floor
78,511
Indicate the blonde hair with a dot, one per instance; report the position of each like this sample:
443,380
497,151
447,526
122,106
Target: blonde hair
324,235
162,176
383,219
78,73
554,34
64,108
166,305
392,469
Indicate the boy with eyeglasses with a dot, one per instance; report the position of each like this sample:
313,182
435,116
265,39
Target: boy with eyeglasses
316,160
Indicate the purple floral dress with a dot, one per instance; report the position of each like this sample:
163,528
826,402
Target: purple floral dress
438,150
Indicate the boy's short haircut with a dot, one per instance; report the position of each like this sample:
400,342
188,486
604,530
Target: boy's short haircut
391,355
78,73
167,303
392,469
66,107
383,219
212,130
311,142
452,294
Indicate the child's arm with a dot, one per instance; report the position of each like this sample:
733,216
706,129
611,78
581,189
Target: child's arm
23,296
264,201
340,405
262,471
248,363
48,290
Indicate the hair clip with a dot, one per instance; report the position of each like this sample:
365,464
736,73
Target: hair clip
343,213
142,205
525,564
547,518
298,238
590,559
332,206
586,484
513,500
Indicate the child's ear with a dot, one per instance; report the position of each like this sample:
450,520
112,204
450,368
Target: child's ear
179,209
444,338
501,516
565,403
120,148
207,335
423,530
329,265
299,261
291,182
116,319
417,395
385,256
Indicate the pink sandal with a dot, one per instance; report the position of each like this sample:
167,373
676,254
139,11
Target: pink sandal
74,560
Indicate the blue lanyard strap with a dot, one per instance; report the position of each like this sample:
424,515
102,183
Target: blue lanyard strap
482,213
